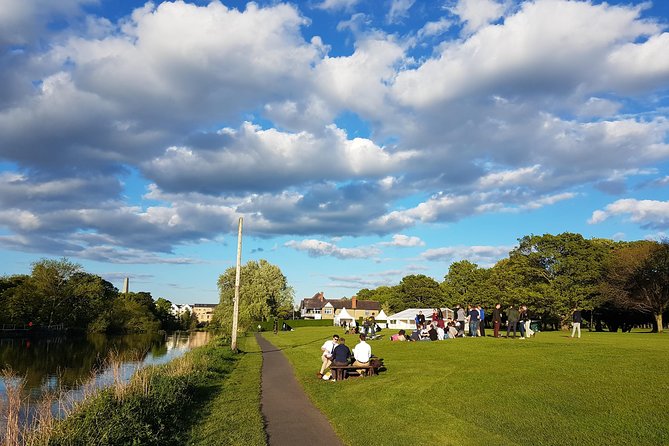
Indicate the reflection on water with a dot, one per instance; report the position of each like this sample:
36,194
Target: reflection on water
64,363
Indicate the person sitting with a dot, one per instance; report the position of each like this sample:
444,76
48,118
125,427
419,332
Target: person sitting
440,333
341,356
400,336
362,353
452,332
432,332
415,335
425,333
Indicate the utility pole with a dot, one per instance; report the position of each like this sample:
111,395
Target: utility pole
235,311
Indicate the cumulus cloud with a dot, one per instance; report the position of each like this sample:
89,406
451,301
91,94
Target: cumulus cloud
232,112
484,256
404,241
319,248
477,13
648,213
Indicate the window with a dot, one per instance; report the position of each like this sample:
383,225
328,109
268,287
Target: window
328,311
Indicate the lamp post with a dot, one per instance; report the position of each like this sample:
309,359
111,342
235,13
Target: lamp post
235,310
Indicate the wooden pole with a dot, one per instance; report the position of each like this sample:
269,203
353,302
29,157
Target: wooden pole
235,311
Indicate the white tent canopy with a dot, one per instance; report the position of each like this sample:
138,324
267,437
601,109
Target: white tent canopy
381,316
343,316
407,319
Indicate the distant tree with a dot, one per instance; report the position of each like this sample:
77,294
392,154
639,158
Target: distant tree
168,321
416,291
464,284
264,293
637,279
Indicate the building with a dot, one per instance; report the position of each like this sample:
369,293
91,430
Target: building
203,312
318,307
407,319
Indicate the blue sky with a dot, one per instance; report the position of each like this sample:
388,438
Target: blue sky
361,141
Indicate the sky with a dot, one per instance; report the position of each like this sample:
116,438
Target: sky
360,141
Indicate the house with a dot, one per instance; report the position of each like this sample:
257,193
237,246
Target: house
318,307
178,310
203,312
407,319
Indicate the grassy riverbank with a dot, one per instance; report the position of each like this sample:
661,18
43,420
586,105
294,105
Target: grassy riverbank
208,396
606,388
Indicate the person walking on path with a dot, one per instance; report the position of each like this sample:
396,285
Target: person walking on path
290,417
512,316
496,320
576,322
327,348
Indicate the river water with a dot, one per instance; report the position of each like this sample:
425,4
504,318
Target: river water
65,364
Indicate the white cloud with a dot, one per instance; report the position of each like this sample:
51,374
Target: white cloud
399,10
318,248
484,256
436,28
335,5
477,13
648,213
404,241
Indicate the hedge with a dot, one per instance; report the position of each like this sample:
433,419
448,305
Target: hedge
294,323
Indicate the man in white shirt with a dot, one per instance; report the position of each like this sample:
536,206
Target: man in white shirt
326,356
362,353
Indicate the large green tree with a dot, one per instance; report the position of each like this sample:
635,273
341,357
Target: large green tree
560,272
465,284
264,293
637,279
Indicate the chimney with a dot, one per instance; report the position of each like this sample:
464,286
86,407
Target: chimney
321,296
126,283
354,302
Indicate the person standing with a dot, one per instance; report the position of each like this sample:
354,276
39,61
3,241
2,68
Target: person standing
473,321
576,320
521,321
461,318
420,319
496,320
362,354
481,320
327,349
528,322
512,316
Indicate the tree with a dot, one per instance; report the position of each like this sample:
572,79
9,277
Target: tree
263,294
168,321
637,279
464,284
416,291
559,272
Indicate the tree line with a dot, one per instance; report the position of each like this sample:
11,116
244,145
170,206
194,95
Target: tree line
61,293
616,283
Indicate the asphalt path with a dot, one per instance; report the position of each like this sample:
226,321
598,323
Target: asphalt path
290,417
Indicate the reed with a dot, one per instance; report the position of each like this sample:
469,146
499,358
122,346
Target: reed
11,407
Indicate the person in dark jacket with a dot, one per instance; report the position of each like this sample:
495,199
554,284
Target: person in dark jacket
512,316
496,320
576,320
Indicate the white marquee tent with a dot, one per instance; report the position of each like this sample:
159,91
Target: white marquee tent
406,319
343,317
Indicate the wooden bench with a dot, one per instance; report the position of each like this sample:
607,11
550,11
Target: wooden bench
339,371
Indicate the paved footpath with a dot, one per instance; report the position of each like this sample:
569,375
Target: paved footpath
290,418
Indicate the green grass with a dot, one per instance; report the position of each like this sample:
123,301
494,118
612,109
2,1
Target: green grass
232,416
604,389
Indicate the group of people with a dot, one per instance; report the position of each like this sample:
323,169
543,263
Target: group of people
336,352
468,322
368,327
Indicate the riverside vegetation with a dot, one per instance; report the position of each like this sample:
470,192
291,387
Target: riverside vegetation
210,394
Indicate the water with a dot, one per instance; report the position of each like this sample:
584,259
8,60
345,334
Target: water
64,364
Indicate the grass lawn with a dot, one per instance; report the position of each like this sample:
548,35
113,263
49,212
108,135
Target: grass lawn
232,416
602,389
